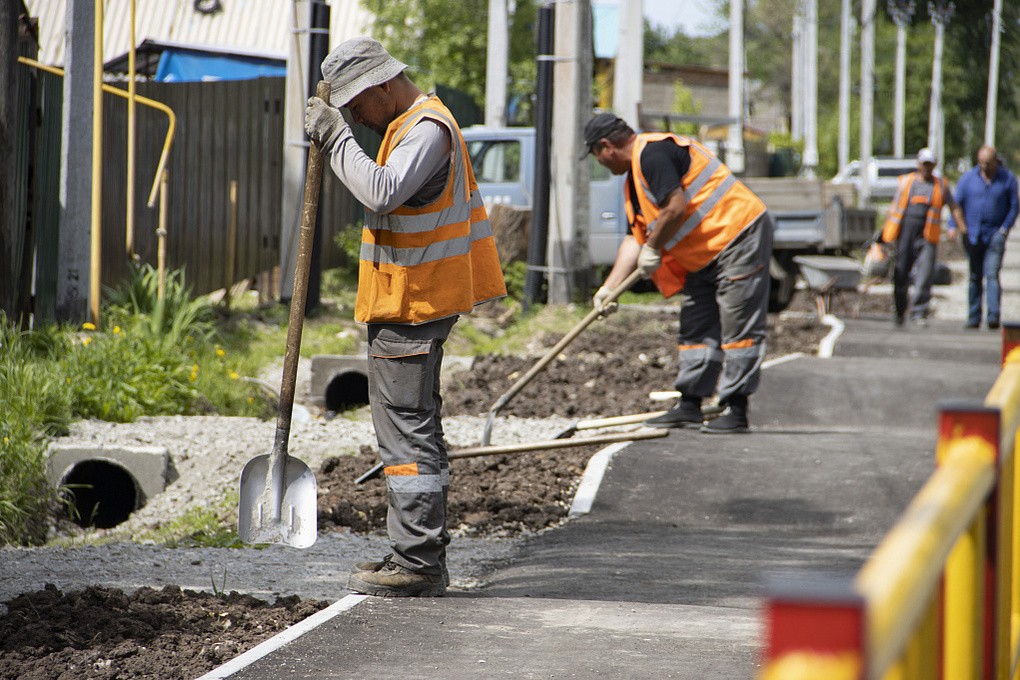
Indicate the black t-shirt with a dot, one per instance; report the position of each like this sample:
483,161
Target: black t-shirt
663,163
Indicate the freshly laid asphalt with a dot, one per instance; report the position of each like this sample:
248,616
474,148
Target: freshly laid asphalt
665,576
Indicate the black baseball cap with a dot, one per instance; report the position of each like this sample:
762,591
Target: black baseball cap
600,126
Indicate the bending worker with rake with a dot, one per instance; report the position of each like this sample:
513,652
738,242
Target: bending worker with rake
427,256
697,231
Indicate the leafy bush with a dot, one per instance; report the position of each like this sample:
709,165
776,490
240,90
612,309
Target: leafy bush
34,405
126,373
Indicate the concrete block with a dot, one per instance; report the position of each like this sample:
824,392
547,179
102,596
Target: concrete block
149,465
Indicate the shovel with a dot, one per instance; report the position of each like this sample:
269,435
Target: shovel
278,495
552,353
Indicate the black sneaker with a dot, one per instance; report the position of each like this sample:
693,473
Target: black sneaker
993,324
733,420
685,414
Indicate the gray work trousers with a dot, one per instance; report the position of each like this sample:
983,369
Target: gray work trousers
723,309
404,362
914,268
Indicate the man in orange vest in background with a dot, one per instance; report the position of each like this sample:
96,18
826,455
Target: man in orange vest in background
427,256
914,225
698,231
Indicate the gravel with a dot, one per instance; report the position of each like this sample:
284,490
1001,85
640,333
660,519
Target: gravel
207,455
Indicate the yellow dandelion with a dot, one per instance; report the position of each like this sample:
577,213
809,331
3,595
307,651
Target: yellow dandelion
116,330
233,375
194,369
220,352
89,326
194,376
251,400
86,341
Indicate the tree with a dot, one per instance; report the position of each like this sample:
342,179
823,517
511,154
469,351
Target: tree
445,42
768,45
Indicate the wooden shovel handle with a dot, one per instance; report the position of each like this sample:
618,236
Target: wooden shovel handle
313,181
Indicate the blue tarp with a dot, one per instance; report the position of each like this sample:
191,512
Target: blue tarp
187,66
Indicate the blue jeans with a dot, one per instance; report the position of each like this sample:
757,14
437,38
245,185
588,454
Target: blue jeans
985,263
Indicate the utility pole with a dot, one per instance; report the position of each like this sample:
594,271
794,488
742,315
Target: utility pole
940,12
568,219
845,40
993,74
867,93
901,11
73,256
810,163
797,77
496,65
318,48
735,141
630,61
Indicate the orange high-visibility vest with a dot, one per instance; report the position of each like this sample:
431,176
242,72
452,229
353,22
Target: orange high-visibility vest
932,219
719,207
423,264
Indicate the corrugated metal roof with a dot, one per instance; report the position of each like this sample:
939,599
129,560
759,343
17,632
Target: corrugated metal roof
264,26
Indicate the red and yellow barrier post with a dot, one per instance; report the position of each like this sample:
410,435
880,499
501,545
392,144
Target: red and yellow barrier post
969,602
815,630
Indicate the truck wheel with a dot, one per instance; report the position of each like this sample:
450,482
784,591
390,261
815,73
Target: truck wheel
783,275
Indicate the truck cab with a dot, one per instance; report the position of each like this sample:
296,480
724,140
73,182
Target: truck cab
504,163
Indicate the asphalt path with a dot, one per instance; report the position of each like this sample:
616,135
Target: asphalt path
665,576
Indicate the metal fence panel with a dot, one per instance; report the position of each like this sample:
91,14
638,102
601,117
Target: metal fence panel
226,131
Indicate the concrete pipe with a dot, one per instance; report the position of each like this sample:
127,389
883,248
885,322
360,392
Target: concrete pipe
346,390
102,493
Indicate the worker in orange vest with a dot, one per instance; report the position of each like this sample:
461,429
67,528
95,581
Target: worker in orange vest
427,256
698,231
914,225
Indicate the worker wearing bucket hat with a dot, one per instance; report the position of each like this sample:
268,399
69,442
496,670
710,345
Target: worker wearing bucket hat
427,255
914,225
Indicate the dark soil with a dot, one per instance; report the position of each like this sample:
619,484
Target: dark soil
608,370
101,633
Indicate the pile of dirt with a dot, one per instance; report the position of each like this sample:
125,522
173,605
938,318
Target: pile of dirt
610,369
100,634
506,494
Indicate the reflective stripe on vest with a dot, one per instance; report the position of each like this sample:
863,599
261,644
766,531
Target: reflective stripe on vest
933,216
427,263
719,208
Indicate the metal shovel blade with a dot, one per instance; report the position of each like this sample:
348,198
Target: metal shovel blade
258,520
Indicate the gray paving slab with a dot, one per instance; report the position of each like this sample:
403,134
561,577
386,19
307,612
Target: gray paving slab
459,637
665,576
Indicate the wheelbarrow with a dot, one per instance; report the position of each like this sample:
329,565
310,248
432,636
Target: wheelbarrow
827,275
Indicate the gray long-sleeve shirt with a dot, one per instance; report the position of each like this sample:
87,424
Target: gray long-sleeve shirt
415,173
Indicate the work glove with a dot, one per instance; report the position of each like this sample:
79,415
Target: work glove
323,123
599,301
649,260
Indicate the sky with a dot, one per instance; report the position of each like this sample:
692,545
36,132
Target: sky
691,15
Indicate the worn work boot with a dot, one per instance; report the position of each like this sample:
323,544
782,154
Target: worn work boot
376,565
732,420
685,414
393,580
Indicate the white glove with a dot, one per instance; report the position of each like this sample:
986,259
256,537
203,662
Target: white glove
323,123
599,301
649,260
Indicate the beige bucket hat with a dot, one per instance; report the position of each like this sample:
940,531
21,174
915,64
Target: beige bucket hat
356,65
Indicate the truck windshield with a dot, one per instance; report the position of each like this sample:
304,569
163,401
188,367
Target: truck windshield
496,160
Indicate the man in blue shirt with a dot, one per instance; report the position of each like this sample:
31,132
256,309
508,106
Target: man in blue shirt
988,196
